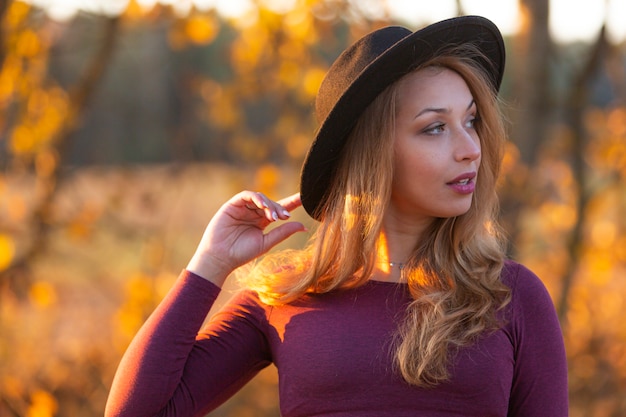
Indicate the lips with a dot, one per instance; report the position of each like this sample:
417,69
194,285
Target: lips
464,183
463,179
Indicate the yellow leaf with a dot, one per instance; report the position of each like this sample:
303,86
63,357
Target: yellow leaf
267,178
558,216
297,145
201,30
289,73
599,267
299,25
22,140
43,404
42,294
11,71
129,319
223,110
7,251
28,44
603,234
17,12
139,289
134,10
312,81
250,48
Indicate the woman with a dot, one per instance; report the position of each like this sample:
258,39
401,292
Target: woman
403,303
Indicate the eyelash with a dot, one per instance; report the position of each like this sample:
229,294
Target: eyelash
431,130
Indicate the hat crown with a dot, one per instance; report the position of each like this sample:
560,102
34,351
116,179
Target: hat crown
351,63
369,66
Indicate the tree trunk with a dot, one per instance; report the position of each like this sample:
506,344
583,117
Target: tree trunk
532,80
531,107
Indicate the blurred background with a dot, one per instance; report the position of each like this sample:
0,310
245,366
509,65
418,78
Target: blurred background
125,124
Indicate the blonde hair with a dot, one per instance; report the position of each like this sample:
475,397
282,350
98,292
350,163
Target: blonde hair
454,273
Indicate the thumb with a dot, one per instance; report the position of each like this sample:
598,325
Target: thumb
282,232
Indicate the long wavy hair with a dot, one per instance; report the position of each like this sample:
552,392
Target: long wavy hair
453,274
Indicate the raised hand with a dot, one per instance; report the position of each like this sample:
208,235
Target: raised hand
236,233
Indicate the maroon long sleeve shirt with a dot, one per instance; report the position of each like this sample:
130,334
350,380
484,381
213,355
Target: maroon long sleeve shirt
334,358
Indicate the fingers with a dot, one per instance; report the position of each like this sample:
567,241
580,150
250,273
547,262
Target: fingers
292,202
272,210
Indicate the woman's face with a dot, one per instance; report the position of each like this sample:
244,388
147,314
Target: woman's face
437,148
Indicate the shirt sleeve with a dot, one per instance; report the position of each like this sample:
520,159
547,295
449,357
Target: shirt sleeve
172,369
540,374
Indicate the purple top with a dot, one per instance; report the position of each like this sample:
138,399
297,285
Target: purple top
333,356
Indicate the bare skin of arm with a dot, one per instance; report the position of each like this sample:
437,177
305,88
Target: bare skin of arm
236,234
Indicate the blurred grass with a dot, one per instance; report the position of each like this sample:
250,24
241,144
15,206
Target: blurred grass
127,233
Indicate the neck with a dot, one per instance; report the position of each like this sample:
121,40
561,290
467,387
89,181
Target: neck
387,273
396,244
390,260
402,233
395,249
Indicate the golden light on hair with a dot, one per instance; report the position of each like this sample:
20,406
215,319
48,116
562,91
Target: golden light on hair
350,214
383,254
491,227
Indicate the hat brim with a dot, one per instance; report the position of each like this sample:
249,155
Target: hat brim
406,54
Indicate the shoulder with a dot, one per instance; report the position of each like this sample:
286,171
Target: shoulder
529,296
521,280
245,299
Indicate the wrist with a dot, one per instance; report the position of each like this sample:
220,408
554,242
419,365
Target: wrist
211,269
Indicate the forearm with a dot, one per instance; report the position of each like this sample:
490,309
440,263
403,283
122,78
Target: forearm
152,367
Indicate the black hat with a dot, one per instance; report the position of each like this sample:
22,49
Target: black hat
369,66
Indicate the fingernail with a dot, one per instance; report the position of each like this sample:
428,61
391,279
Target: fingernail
274,215
286,213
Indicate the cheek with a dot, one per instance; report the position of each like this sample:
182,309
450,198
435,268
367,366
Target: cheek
417,169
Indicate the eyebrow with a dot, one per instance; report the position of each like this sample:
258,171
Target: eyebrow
442,110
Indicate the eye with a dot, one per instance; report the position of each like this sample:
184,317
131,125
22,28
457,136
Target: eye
434,129
472,121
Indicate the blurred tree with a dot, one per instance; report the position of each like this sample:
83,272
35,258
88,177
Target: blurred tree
533,55
529,87
39,118
577,102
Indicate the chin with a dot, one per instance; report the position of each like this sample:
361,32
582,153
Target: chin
454,212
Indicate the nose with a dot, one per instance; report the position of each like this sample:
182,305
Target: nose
467,146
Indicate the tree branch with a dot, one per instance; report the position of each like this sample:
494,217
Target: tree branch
79,95
576,104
